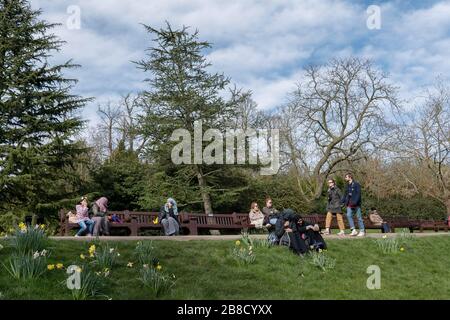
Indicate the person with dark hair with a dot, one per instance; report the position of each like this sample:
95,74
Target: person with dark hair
352,200
311,234
168,216
377,221
270,213
334,208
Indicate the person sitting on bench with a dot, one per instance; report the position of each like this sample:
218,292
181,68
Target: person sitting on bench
256,216
83,219
99,210
168,216
377,221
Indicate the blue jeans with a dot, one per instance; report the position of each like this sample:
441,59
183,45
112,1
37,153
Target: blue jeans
85,225
359,216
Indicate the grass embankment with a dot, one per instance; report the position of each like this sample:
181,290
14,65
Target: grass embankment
206,270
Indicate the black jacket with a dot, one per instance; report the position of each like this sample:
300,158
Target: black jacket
286,215
352,197
334,204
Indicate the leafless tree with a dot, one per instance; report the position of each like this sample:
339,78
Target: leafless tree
337,112
424,143
110,118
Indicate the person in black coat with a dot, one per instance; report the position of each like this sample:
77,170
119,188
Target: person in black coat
334,208
287,223
310,234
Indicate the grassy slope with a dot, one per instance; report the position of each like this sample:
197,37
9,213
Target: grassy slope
205,270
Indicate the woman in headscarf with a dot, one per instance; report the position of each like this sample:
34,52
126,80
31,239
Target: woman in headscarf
100,209
168,216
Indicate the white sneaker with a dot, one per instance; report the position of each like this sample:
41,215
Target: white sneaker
354,233
341,233
327,232
361,234
76,236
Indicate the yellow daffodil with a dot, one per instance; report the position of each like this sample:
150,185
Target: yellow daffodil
42,226
402,249
385,236
59,266
158,267
130,265
51,267
238,243
79,270
92,249
82,257
155,221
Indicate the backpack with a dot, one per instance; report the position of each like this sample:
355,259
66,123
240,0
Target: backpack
285,240
272,238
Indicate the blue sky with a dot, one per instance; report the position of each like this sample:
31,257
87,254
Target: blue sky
262,45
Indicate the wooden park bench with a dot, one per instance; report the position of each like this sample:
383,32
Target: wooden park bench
190,223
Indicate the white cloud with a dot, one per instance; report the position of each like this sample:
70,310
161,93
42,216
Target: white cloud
261,45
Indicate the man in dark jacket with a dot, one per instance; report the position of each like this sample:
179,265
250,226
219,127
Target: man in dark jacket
352,200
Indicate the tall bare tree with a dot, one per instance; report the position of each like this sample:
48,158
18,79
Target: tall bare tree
337,112
424,143
110,117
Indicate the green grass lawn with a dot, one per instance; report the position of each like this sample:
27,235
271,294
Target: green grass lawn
206,270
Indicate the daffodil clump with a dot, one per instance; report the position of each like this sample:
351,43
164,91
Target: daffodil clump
105,256
27,266
154,279
243,252
27,239
388,245
321,260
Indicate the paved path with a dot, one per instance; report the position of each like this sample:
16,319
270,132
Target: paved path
236,237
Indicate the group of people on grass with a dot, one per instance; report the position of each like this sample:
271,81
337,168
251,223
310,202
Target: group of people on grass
301,233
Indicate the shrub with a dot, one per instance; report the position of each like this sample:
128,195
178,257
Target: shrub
155,280
321,260
28,266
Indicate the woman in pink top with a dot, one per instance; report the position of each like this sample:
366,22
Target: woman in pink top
83,218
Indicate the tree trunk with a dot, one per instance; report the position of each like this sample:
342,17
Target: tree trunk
203,189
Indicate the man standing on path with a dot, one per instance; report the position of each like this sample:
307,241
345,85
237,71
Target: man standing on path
352,200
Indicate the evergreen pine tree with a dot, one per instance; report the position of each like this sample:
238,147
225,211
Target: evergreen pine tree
37,112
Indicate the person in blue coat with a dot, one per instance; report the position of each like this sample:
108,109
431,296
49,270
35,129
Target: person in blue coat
352,201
